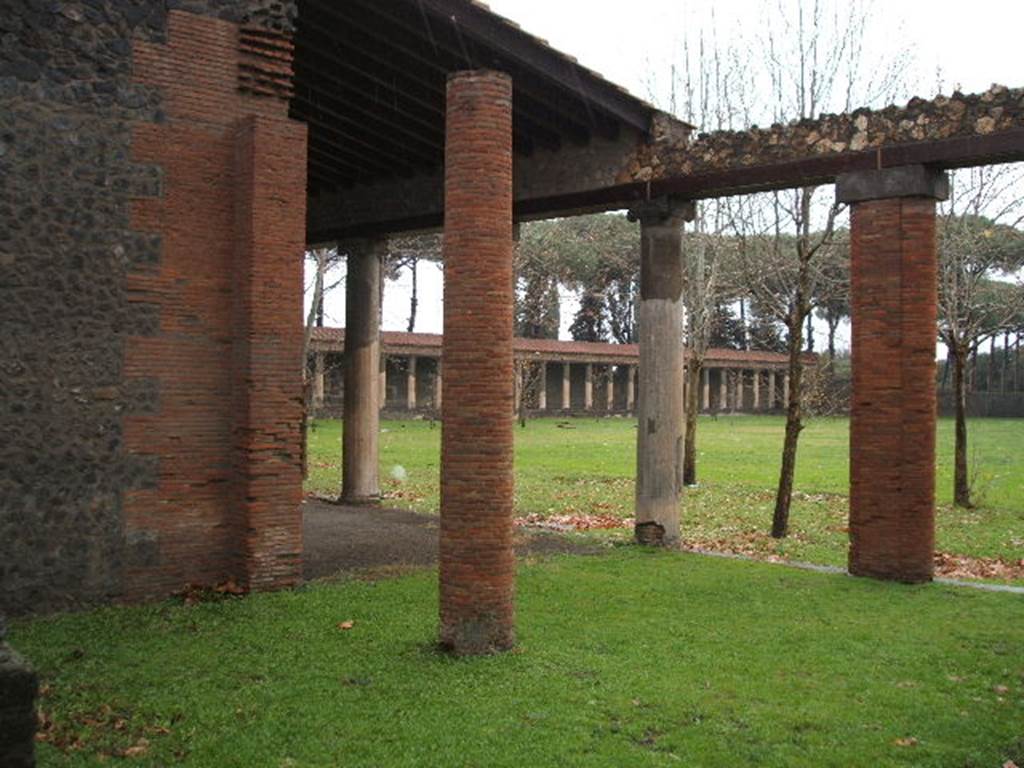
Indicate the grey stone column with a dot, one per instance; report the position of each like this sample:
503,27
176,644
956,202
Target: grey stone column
437,387
410,384
360,476
660,405
610,391
756,378
19,686
706,387
542,387
566,386
630,388
318,381
588,387
772,373
723,389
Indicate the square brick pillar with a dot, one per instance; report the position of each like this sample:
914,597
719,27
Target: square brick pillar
894,291
270,228
660,405
477,563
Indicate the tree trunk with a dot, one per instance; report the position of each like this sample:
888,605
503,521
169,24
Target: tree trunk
413,298
991,383
961,484
833,327
693,392
784,495
1005,362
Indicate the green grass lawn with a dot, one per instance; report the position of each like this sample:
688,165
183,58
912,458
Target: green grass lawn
587,466
626,659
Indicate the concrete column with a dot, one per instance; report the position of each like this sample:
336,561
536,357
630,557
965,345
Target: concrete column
410,384
894,286
660,404
477,563
438,387
723,389
771,389
588,388
756,378
630,388
542,387
706,387
364,382
566,386
318,381
610,391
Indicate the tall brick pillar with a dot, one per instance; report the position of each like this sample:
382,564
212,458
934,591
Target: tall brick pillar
892,417
660,401
477,564
267,370
360,472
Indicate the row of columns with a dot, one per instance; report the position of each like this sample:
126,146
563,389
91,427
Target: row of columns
732,384
893,410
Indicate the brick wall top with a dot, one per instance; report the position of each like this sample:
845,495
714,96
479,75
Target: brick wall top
944,117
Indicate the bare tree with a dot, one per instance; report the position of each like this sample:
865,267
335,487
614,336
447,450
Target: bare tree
814,62
979,243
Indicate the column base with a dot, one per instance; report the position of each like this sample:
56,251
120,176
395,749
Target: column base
475,637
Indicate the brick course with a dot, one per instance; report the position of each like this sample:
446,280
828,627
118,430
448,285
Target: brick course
477,565
892,424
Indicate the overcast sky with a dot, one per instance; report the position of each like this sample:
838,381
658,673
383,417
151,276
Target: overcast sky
961,44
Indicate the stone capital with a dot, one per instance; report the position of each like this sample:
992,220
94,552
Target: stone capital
887,183
663,211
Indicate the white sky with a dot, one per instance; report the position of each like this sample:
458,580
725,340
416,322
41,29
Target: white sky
968,45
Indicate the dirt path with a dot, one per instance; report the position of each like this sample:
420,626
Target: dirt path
341,538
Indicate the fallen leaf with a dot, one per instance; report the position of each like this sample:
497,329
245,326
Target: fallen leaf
140,748
346,625
908,741
1000,689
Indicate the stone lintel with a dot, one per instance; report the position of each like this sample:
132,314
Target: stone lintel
887,183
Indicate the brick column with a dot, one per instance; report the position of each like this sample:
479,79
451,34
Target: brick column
364,381
267,359
660,405
477,564
892,416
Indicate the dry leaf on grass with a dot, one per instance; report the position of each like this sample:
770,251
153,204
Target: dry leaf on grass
346,625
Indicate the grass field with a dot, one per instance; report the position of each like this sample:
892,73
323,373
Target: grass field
587,465
627,659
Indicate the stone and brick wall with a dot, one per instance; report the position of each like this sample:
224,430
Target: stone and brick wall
118,130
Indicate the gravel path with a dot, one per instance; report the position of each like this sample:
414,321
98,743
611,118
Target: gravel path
341,538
